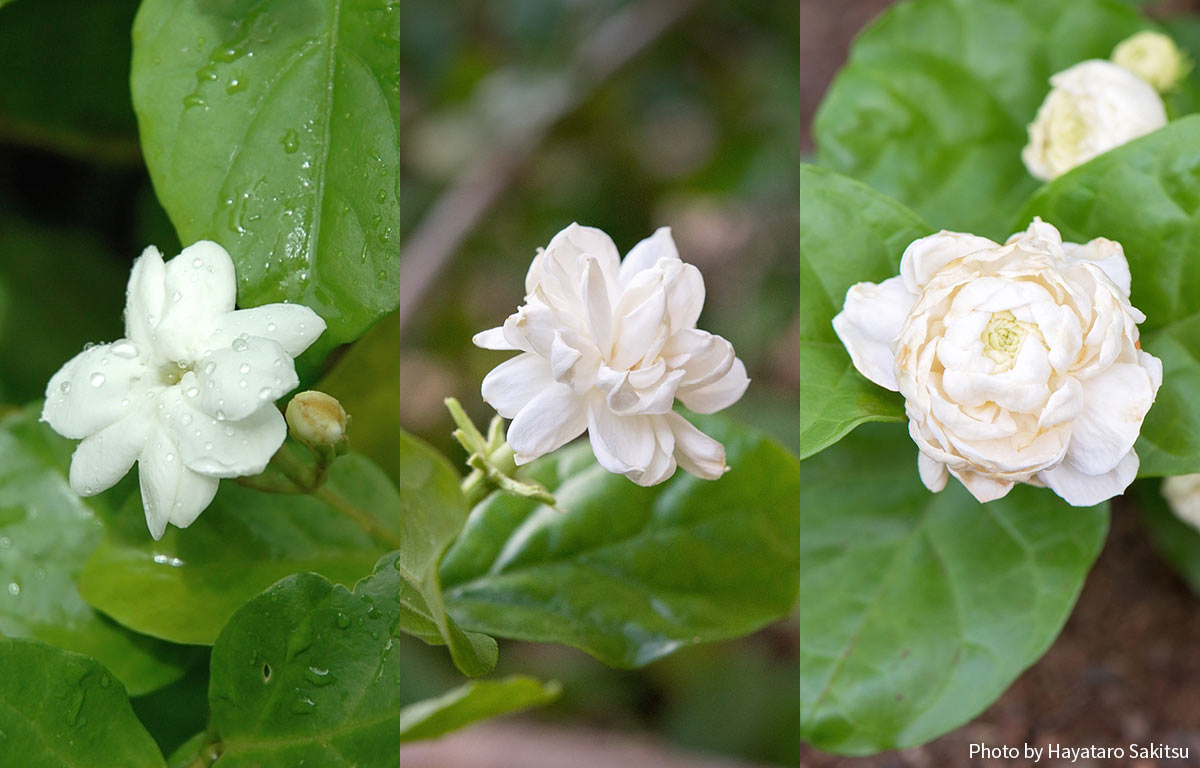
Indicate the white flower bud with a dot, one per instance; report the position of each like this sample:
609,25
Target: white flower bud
316,419
1155,58
1092,107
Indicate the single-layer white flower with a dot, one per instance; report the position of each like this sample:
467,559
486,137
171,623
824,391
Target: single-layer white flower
607,346
188,394
1092,107
1018,363
1154,57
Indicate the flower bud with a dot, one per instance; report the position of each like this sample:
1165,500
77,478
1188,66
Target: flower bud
1154,57
316,419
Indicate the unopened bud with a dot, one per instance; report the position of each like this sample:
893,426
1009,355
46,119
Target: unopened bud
1155,58
316,419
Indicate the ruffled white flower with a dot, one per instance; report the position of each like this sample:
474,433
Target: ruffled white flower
607,346
1154,57
1092,107
1018,363
188,394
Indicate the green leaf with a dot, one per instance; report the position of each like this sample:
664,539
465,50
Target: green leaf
472,702
1146,196
271,128
1178,542
304,672
186,586
919,609
940,126
849,233
63,710
46,532
630,574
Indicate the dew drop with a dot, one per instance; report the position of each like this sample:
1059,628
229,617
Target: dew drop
192,392
291,141
197,262
65,387
14,588
245,368
169,457
124,349
239,344
208,446
264,393
209,368
304,706
271,327
186,419
343,621
5,542
175,297
243,383
220,415
228,431
97,379
194,100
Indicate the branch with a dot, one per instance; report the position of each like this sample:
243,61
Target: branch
463,205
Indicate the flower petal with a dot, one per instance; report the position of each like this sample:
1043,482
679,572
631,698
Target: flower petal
511,385
868,324
170,491
237,380
547,422
926,256
1083,490
293,326
695,451
1106,254
719,394
106,456
221,448
623,445
1115,403
144,298
982,487
493,338
933,472
646,254
200,288
96,388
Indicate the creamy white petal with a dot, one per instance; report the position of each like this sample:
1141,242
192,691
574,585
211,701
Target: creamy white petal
221,448
926,256
106,456
1115,403
1106,254
933,473
685,294
637,327
170,491
237,380
695,451
96,388
1082,490
200,287
719,394
869,322
511,385
549,421
144,298
293,326
624,445
646,254
493,338
982,487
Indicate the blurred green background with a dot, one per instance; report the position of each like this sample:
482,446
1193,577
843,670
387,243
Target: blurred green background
700,131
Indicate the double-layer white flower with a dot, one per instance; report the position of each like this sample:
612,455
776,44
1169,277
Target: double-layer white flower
1092,107
607,346
188,394
1018,363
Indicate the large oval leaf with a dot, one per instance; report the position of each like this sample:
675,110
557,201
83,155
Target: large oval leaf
933,105
848,233
630,574
46,533
919,609
63,710
270,127
1146,196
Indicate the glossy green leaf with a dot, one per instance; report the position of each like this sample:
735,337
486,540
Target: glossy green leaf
933,105
919,609
472,702
46,532
849,233
1178,542
186,586
1146,196
62,710
630,574
304,672
271,128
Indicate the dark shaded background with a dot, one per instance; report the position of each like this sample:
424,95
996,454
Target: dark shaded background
1127,665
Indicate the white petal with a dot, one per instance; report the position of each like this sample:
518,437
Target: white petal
868,324
293,326
511,385
1115,403
550,420
599,309
144,297
97,387
200,288
1105,254
638,326
221,448
982,487
1082,490
493,338
105,457
646,254
170,491
717,395
695,451
685,294
926,256
933,473
237,380
623,445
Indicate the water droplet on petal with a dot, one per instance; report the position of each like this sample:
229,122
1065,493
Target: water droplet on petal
169,457
220,415
97,379
124,349
209,368
65,387
264,393
186,419
243,383
192,392
175,297
239,344
271,327
208,446
228,431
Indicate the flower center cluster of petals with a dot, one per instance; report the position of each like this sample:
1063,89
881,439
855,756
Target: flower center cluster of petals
607,346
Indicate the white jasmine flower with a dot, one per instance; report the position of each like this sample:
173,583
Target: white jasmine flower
1154,57
188,394
1182,493
1092,107
1018,363
607,345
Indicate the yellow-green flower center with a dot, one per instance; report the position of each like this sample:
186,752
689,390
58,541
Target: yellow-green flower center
1002,339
